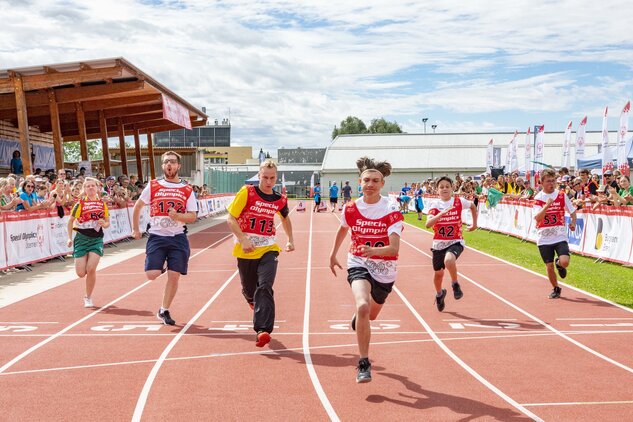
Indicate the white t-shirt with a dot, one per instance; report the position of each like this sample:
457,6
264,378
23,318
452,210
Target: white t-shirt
440,205
164,225
555,234
382,270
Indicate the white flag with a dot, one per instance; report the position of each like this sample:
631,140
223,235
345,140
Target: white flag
528,156
607,164
312,185
508,157
623,161
489,155
514,165
566,144
283,183
580,139
538,154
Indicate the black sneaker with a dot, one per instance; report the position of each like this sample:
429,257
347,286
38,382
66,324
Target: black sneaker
353,323
364,371
165,317
555,293
439,301
457,291
562,272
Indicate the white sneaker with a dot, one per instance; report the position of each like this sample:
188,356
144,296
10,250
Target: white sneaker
88,302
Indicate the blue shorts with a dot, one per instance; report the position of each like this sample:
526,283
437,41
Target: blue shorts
173,249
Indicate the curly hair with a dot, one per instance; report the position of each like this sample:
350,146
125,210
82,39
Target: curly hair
366,163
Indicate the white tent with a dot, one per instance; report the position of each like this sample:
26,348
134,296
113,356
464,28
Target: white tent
253,180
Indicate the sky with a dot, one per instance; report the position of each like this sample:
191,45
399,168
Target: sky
289,71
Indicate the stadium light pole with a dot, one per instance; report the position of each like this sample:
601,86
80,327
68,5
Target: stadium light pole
433,127
424,120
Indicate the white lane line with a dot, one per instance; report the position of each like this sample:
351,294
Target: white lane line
508,333
481,319
535,273
142,399
90,315
306,337
463,364
37,323
229,354
536,319
579,403
593,319
154,321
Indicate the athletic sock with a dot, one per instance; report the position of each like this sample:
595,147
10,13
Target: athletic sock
163,309
438,294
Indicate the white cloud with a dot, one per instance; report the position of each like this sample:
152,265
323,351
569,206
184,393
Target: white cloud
290,70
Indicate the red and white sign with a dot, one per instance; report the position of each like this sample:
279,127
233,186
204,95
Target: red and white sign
175,112
3,255
27,237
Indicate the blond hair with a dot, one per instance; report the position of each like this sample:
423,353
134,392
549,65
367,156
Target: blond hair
268,163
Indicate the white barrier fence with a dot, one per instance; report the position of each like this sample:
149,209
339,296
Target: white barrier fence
605,233
35,236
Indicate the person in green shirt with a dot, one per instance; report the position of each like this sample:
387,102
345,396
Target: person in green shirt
626,191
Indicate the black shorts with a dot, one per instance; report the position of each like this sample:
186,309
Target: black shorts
438,256
333,200
548,251
173,249
379,291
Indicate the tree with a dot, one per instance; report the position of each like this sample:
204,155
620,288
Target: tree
383,126
72,151
351,125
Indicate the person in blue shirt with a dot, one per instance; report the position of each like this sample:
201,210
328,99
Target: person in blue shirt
419,203
16,163
333,196
405,190
317,197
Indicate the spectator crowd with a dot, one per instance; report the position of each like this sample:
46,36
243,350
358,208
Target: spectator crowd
61,190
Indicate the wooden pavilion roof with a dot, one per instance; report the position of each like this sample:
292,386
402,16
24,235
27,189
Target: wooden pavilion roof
114,89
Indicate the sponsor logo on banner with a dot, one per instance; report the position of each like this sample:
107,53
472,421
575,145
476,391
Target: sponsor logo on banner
575,237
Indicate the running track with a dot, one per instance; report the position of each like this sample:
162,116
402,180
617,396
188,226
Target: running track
503,352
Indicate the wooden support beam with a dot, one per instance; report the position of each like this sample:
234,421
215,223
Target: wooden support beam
150,151
103,127
23,121
132,110
122,147
57,131
70,95
118,102
49,80
81,125
139,163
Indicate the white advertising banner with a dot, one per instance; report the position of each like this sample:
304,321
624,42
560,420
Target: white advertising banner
120,227
3,253
58,234
580,139
609,234
27,237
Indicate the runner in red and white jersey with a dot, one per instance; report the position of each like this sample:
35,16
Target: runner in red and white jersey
375,223
445,216
551,228
172,205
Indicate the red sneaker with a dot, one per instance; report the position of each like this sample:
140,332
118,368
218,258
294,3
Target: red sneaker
263,338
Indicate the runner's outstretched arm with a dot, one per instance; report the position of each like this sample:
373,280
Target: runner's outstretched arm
285,222
341,234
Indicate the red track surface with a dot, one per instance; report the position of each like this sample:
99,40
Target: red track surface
503,352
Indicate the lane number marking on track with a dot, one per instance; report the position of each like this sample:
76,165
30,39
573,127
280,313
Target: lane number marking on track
236,327
17,328
463,325
127,327
374,326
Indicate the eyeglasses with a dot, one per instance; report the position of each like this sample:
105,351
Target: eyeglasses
170,161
